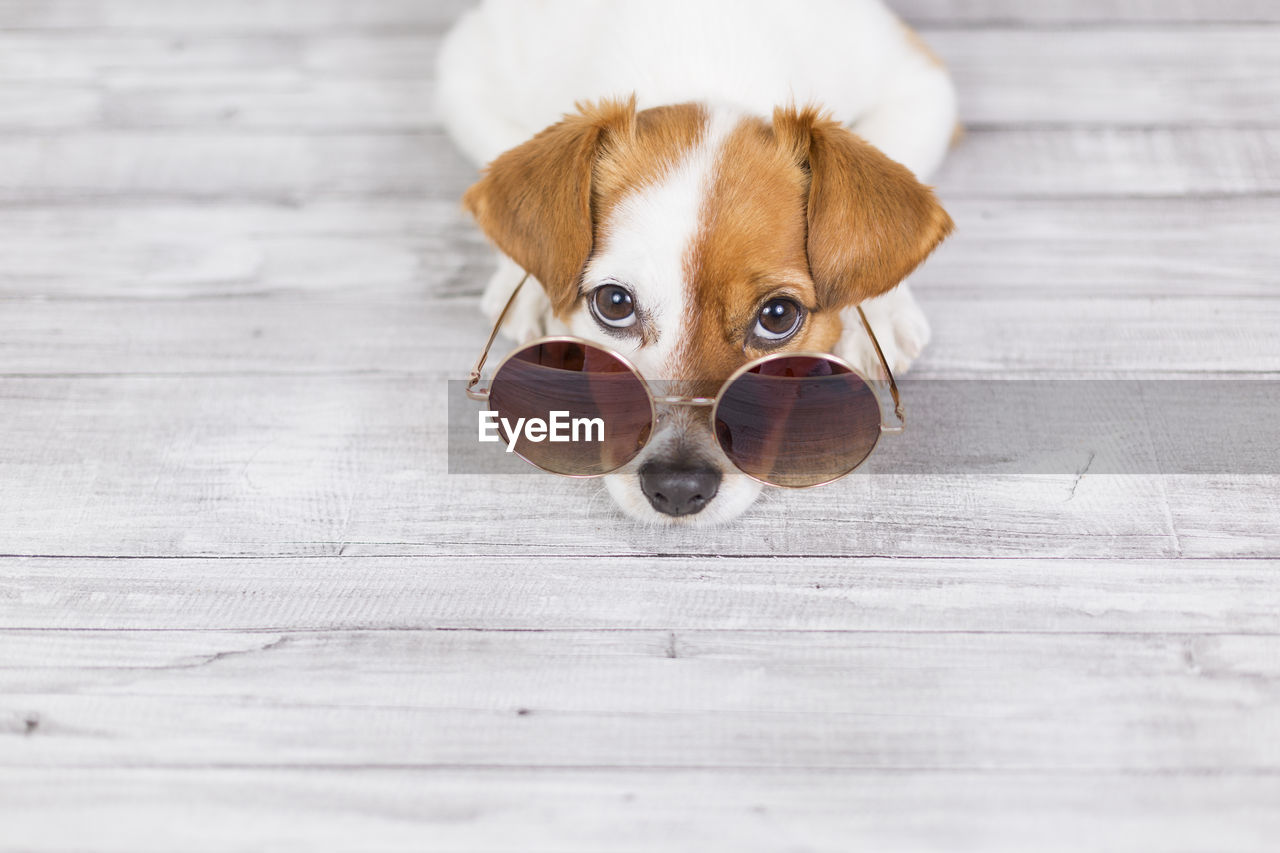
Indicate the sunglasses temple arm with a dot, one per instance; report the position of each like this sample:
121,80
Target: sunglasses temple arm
893,386
493,335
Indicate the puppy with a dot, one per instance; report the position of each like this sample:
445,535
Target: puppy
663,170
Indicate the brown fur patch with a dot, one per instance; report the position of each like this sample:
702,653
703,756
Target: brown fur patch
870,221
535,200
661,137
750,247
542,201
804,209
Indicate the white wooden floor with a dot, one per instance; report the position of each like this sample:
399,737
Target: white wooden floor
242,605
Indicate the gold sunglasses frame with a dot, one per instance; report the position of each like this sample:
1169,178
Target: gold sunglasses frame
482,394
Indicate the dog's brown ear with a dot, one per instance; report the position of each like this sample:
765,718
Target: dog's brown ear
534,201
870,221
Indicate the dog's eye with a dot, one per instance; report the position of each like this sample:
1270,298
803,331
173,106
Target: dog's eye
613,306
779,318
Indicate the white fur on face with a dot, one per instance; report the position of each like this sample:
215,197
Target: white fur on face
644,246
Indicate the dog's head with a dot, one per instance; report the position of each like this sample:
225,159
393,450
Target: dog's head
693,240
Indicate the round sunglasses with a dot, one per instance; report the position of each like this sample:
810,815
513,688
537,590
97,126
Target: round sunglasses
795,419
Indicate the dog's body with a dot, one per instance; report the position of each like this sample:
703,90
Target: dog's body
702,198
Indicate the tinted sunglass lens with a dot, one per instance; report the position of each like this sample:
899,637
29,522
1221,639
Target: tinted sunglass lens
798,421
573,408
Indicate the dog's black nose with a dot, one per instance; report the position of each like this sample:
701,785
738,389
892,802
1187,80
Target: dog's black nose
678,489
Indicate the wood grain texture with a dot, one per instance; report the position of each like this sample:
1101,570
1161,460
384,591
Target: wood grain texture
234,16
984,13
407,248
645,699
1226,515
538,810
290,16
355,463
1183,597
290,168
1014,337
381,81
1107,247
1037,162
154,466
1122,76
380,249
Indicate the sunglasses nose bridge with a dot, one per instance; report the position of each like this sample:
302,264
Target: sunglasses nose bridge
681,411
681,395
680,404
680,400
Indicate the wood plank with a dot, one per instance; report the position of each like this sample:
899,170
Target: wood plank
229,16
327,464
36,106
1027,337
316,103
176,62
780,593
1215,514
995,337
250,16
281,167
386,247
643,698
324,465
1107,247
288,83
976,13
1112,162
589,811
409,442
1098,248
1123,76
291,168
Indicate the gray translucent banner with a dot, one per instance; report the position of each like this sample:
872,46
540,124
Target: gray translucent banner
1027,427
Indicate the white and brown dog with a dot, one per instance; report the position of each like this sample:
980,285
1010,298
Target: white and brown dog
647,164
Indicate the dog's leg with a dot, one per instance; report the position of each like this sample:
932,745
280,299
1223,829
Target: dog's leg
530,317
899,325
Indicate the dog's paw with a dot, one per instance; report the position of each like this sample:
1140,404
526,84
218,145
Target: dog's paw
899,325
911,333
530,316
